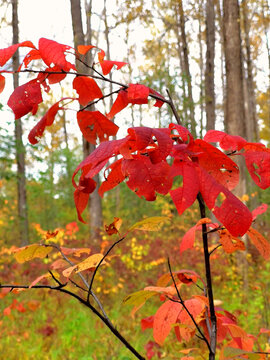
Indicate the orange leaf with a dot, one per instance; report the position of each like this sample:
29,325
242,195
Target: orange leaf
164,318
230,243
2,83
89,263
114,227
259,241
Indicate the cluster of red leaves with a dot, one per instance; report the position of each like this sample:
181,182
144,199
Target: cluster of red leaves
145,163
27,97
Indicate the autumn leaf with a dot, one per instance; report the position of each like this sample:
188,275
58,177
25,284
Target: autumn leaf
107,65
25,99
230,243
259,241
87,89
150,224
38,279
259,210
138,298
83,49
93,124
89,263
189,237
119,104
30,252
164,318
2,83
53,52
114,227
7,53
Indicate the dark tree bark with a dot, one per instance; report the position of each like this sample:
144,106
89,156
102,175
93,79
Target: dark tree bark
20,151
210,103
79,38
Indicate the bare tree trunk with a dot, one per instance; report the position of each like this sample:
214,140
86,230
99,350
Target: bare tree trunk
201,70
235,111
181,22
234,74
20,151
252,128
210,102
95,199
222,55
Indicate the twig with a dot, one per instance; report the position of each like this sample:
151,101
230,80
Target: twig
187,310
211,252
100,262
171,103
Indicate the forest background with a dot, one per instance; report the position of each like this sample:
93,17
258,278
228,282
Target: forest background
175,45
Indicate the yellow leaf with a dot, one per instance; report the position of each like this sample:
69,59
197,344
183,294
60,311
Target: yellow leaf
150,224
90,262
138,298
30,252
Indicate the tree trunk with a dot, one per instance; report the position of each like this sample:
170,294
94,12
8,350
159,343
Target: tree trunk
235,111
210,102
252,125
20,151
181,24
78,34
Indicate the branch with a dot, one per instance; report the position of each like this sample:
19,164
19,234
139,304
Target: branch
100,262
171,103
213,333
88,305
187,310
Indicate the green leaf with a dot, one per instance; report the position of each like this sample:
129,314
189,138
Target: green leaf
30,252
150,224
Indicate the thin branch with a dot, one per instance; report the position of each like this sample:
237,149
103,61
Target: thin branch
83,280
171,103
187,310
88,305
218,246
100,262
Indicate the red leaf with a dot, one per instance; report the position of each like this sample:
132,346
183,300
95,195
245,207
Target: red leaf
47,120
54,78
164,318
183,197
25,98
158,102
107,65
120,103
87,89
259,241
259,210
2,83
145,178
81,195
32,55
232,213
138,94
53,54
189,237
7,53
258,164
114,178
147,323
217,164
226,142
93,124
